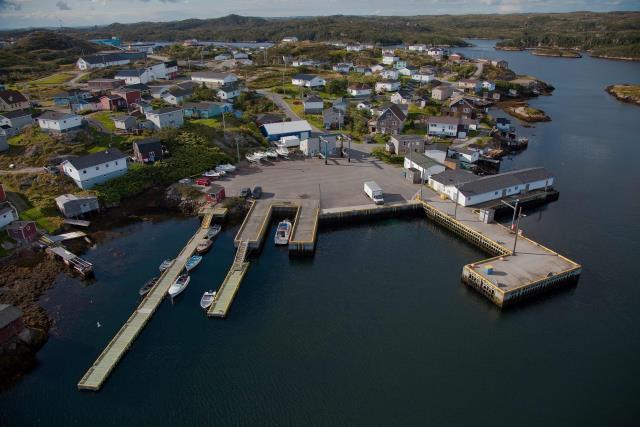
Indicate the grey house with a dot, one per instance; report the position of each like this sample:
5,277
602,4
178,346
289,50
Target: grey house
73,206
126,123
402,144
16,119
332,118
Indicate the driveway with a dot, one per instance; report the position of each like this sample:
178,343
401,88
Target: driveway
31,171
284,106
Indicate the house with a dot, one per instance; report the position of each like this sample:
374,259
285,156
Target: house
177,96
418,47
324,144
96,168
407,71
304,63
168,117
503,124
206,109
275,131
487,85
108,59
357,89
500,63
387,86
377,68
402,144
472,85
98,85
389,59
113,103
313,104
455,57
54,121
86,105
461,107
436,53
307,80
70,96
22,231
143,75
16,119
340,104
468,189
126,123
157,92
222,57
438,152
402,96
332,118
425,166
390,121
228,91
148,150
342,67
363,70
171,69
456,127
355,48
289,39
442,92
424,77
73,206
213,80
364,105
11,323
11,100
130,95
390,74
8,214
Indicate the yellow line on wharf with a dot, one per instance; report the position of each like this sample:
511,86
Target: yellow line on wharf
120,343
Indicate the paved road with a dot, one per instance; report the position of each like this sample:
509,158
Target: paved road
284,106
479,68
74,82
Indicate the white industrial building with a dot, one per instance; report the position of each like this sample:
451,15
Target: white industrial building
213,80
425,165
319,144
468,189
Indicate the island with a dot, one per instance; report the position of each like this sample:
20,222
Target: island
523,111
625,92
558,53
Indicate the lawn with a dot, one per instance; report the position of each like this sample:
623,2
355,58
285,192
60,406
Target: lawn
54,79
313,119
105,118
46,219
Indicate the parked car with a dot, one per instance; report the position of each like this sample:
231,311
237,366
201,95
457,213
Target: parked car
256,193
245,192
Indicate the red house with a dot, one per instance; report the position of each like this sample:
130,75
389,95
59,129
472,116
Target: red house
113,103
3,196
215,193
131,96
22,231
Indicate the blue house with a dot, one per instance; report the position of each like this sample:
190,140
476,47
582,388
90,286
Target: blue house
206,109
275,131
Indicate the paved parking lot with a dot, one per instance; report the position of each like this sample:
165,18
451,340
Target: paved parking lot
337,184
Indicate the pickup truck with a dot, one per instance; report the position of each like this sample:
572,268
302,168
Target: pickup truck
374,192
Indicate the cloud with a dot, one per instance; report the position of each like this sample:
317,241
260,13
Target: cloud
62,5
10,5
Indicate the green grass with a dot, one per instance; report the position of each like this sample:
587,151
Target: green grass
46,220
313,119
54,79
105,118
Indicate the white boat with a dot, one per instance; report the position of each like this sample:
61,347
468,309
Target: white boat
227,167
283,232
282,151
213,231
165,264
204,246
212,174
271,154
253,158
179,285
193,262
207,299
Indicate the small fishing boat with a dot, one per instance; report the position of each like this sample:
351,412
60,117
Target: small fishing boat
282,232
253,158
165,264
204,246
271,154
147,287
193,262
282,151
212,174
213,231
227,167
207,299
179,285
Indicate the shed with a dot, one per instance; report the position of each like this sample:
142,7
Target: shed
148,150
125,122
274,131
22,231
215,193
11,323
73,206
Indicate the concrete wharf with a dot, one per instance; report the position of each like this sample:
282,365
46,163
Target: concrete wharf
117,347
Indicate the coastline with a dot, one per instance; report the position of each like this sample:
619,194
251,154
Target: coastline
611,90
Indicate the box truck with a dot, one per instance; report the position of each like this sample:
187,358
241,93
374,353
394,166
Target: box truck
374,192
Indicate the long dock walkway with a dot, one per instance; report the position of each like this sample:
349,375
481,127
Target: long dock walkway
508,276
115,350
229,288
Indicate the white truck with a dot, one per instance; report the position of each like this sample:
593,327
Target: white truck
374,192
289,141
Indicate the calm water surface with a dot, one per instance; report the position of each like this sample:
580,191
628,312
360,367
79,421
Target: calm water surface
376,329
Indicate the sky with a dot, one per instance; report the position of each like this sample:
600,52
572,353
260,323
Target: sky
30,13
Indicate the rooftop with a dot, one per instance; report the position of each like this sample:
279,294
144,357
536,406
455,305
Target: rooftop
487,184
287,127
55,115
165,110
95,159
15,114
12,96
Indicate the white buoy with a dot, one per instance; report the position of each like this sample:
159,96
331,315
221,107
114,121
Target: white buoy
98,324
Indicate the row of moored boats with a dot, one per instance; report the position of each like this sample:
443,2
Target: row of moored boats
270,154
184,278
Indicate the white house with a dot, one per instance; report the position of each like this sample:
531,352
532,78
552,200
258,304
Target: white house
364,105
359,90
168,117
307,80
444,126
214,80
389,59
442,92
290,39
425,165
143,75
8,214
321,144
355,48
401,97
422,77
468,189
92,169
304,63
54,121
377,68
342,67
228,91
107,59
387,85
392,74
487,85
418,47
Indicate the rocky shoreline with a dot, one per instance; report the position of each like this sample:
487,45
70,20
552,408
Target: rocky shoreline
522,111
556,53
629,98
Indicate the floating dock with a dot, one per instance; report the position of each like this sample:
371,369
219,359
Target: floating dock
115,350
229,288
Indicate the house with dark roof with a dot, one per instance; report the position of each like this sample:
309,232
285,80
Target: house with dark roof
228,91
8,214
11,100
73,206
468,189
55,121
390,121
148,150
23,231
16,119
359,89
332,118
108,59
70,96
177,96
125,123
313,104
96,168
98,85
11,323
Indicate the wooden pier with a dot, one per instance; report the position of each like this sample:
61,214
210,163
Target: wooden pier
115,350
229,288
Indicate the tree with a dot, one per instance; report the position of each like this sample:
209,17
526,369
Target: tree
337,87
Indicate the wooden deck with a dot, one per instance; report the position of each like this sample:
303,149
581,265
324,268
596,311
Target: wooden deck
115,350
229,288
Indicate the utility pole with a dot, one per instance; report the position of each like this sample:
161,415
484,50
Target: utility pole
455,210
349,153
515,209
515,240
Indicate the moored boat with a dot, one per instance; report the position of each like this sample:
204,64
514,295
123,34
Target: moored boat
193,262
253,158
147,287
165,264
271,154
204,246
227,167
213,231
282,151
212,174
207,299
283,232
179,285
